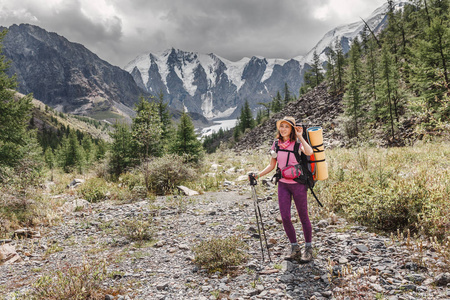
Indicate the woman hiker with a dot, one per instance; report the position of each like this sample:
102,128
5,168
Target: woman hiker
287,135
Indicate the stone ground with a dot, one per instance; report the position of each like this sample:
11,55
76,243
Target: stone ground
350,262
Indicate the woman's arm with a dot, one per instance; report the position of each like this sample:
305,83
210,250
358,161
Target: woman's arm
269,168
306,148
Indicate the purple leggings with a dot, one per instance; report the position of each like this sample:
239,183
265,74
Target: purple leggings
299,192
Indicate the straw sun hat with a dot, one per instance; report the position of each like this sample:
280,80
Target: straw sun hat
289,120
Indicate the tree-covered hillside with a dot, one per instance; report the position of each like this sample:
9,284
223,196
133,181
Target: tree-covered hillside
400,75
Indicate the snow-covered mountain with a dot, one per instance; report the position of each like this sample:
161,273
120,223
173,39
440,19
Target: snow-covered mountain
217,88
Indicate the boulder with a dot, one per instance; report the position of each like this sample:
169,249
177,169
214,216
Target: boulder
8,254
442,279
71,206
76,182
186,191
25,233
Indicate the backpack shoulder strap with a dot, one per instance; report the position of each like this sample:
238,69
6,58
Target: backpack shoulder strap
298,157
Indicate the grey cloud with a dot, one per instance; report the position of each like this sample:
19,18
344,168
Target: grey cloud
230,28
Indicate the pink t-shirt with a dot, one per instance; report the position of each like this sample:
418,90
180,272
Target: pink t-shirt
282,157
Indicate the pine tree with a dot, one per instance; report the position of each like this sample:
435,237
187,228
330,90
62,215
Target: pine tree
164,116
147,129
267,107
387,89
317,70
15,114
276,103
186,143
89,149
371,74
308,82
287,94
331,70
431,63
49,158
364,40
123,154
259,116
340,65
353,101
71,154
392,29
246,118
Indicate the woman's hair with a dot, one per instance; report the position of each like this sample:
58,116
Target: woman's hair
292,136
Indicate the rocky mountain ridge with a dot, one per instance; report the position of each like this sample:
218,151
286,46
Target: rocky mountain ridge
66,75
217,88
70,78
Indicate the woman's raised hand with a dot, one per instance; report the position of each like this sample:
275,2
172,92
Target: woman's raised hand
299,130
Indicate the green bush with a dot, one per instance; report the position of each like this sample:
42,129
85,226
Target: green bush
163,174
94,190
137,229
72,282
220,254
390,189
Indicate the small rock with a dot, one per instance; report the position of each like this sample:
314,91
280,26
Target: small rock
322,224
252,292
416,278
162,286
361,248
269,271
8,254
377,287
408,287
287,278
183,247
186,191
223,287
75,205
159,244
442,279
343,260
25,233
287,266
327,294
76,182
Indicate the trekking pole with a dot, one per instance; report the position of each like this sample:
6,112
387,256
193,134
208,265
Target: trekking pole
258,216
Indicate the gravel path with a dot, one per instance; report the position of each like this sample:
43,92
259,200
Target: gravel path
350,262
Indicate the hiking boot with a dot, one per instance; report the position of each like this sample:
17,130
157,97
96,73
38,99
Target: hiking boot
307,255
295,253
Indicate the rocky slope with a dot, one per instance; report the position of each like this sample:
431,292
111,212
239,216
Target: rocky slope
349,262
316,108
319,108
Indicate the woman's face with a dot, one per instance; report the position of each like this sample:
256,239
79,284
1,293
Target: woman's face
285,130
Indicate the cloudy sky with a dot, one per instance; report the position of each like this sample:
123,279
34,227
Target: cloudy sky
119,30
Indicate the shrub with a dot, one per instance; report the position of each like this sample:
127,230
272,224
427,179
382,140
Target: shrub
220,254
137,229
94,190
390,189
72,282
165,173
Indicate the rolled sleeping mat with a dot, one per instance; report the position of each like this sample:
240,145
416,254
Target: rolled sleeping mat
315,138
